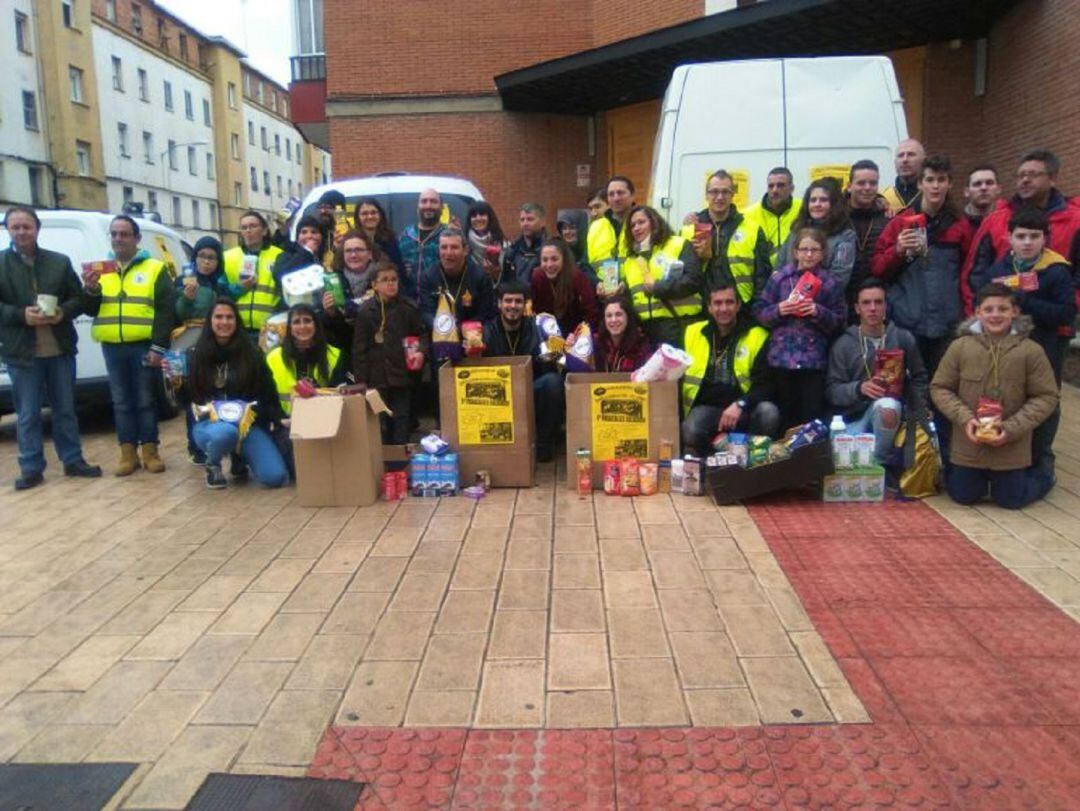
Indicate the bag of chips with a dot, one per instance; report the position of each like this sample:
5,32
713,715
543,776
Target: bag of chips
629,477
579,350
445,341
889,371
552,343
473,338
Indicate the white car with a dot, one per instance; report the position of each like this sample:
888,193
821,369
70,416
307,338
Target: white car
397,193
83,236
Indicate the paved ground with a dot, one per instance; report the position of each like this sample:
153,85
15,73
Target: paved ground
148,620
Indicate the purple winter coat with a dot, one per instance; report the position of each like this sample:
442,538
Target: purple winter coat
800,343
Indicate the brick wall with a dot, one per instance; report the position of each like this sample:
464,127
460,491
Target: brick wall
614,20
512,157
1032,57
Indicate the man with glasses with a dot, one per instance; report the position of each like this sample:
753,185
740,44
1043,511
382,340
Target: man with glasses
777,210
1036,185
133,308
732,247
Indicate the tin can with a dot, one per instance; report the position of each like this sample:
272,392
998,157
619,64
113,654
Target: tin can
584,472
401,484
612,477
389,486
413,361
483,479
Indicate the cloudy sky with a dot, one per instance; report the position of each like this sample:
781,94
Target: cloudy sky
261,28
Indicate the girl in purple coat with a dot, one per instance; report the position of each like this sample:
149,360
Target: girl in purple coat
801,327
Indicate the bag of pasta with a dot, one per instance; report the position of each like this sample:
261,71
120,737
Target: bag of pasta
445,339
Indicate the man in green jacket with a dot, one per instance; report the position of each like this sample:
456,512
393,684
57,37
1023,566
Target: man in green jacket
39,300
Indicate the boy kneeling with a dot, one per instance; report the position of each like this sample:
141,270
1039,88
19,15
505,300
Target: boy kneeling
995,386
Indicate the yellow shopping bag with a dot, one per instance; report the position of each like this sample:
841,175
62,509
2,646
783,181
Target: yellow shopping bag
922,468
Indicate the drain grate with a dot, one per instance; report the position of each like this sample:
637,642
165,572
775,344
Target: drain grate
243,792
48,786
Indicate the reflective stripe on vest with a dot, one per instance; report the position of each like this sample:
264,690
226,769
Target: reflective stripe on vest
647,306
775,227
126,314
696,344
261,301
600,242
740,255
285,378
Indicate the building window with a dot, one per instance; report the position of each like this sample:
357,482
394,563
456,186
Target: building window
129,194
206,112
298,161
148,146
277,144
183,47
144,85
280,187
34,176
168,96
299,189
266,181
264,139
237,194
67,13
151,200
122,137
209,166
259,91
29,110
195,214
117,74
136,19
177,215
110,10
254,179
82,158
189,106
232,95
213,214
172,154
251,133
290,187
288,149
284,107
22,33
75,83
191,161
163,37
247,85
234,146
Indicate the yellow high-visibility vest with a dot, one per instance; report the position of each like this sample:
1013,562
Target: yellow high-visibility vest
740,254
696,344
260,301
776,227
601,242
646,306
285,376
127,303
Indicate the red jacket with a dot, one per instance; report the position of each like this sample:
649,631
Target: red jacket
991,241
582,301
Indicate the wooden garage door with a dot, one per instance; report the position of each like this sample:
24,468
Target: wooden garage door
630,135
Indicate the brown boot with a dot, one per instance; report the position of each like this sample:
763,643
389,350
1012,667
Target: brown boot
150,459
129,461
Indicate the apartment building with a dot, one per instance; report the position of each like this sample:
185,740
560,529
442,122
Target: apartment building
119,105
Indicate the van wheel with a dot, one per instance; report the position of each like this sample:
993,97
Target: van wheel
168,406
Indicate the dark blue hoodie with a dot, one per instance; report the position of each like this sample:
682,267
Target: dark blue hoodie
211,285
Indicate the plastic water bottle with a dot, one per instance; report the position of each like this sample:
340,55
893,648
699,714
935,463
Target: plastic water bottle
836,428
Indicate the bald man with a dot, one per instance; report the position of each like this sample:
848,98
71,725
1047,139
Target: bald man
419,243
910,155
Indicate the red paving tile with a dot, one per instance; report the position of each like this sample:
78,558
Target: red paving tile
971,679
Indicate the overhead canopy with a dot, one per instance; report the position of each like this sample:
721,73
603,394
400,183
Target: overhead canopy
639,69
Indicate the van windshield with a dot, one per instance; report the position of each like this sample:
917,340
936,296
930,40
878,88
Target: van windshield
400,207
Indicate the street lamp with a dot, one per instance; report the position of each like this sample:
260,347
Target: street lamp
165,168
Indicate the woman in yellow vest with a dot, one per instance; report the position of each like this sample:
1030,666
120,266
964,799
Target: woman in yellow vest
132,308
662,275
304,353
249,272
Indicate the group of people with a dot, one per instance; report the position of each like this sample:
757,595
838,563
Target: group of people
784,308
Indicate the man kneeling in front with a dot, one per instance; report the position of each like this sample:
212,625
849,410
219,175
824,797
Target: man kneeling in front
728,384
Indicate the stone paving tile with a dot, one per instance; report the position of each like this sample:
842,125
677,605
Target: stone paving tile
328,662
207,662
465,612
585,709
378,694
62,744
452,662
518,635
149,729
577,610
511,695
245,693
292,727
285,638
84,665
356,612
731,707
116,693
26,715
250,613
578,661
647,693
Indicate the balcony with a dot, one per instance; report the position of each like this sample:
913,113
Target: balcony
309,67
307,98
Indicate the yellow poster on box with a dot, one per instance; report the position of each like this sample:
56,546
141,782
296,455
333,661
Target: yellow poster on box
485,405
620,420
839,171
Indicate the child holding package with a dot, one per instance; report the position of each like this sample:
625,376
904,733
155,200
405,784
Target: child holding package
389,347
995,386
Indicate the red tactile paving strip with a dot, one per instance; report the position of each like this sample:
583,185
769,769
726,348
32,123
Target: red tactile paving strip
971,679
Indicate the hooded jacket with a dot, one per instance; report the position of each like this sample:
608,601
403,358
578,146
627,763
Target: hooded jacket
210,286
1025,381
851,358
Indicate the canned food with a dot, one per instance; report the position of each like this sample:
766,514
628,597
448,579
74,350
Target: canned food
584,472
401,484
389,486
483,479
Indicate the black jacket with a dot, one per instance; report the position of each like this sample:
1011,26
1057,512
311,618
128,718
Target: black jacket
19,288
474,295
382,365
522,258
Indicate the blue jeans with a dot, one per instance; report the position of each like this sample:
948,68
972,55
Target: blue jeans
550,401
703,423
871,422
216,439
1011,489
132,386
29,385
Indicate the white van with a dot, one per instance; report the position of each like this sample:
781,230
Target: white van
397,193
83,236
815,116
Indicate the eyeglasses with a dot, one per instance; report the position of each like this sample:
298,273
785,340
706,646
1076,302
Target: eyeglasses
809,250
719,192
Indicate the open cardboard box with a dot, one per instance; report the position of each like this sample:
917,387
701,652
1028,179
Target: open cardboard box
613,418
486,413
337,445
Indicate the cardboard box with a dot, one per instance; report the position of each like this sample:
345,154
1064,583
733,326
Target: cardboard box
337,445
486,413
806,465
855,485
615,418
